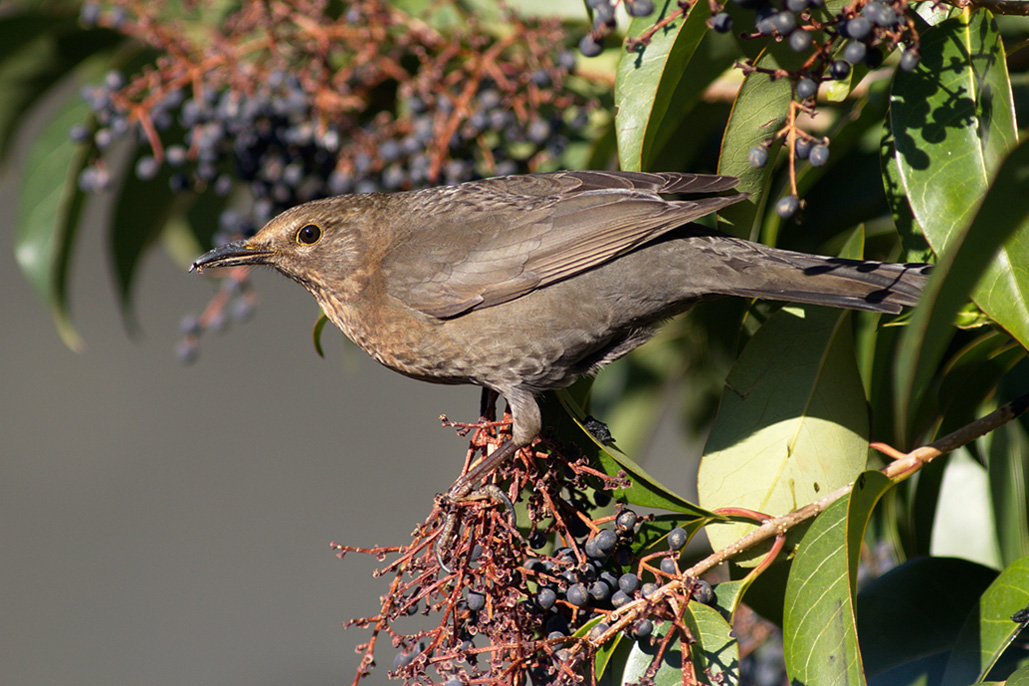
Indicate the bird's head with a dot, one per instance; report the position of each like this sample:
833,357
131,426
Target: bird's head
310,243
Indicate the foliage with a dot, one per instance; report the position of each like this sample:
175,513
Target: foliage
225,114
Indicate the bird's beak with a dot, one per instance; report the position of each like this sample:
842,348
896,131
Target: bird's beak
234,254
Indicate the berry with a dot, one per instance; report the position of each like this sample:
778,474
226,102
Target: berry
669,567
796,6
589,47
855,52
802,148
857,28
577,595
628,582
703,593
476,601
721,22
640,8
819,155
620,598
146,168
874,58
677,538
787,206
642,629
79,133
909,60
648,589
600,591
626,520
89,14
800,40
606,540
840,70
598,630
758,157
545,598
806,88
784,23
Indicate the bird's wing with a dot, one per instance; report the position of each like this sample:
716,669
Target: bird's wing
492,241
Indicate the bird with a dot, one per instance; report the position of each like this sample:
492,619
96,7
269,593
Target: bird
522,284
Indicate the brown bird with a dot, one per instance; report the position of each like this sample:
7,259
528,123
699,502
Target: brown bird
521,284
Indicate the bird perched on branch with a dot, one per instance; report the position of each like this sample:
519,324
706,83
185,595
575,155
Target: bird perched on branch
521,284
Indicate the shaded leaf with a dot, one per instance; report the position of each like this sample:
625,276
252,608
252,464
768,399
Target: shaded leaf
647,97
1008,472
1003,213
819,627
48,213
790,432
917,609
989,630
645,490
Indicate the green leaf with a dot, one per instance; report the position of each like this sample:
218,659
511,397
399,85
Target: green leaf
48,213
1008,472
758,113
790,432
647,95
140,214
917,609
316,334
715,651
36,52
989,630
916,248
819,629
645,490
1003,214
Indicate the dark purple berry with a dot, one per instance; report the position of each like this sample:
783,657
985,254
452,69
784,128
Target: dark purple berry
577,595
628,582
79,133
677,538
857,28
642,629
476,601
802,148
600,591
669,567
787,206
626,520
784,23
546,598
146,168
819,155
589,47
800,40
620,598
806,88
598,630
796,6
758,157
840,70
703,593
909,60
721,22
855,52
640,8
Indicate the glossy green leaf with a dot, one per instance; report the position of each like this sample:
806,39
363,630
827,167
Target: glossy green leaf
1020,677
715,651
819,626
989,630
757,115
647,96
916,248
791,431
917,609
1003,214
1008,472
48,213
645,490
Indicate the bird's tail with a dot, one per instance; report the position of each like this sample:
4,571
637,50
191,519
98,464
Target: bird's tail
776,274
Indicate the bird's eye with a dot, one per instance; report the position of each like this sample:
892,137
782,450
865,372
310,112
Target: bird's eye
309,234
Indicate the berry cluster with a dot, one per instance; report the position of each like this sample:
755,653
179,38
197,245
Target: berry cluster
279,109
603,15
540,605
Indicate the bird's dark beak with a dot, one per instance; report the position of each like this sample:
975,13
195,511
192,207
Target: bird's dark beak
234,254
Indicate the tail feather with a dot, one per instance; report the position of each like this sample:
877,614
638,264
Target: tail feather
775,274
